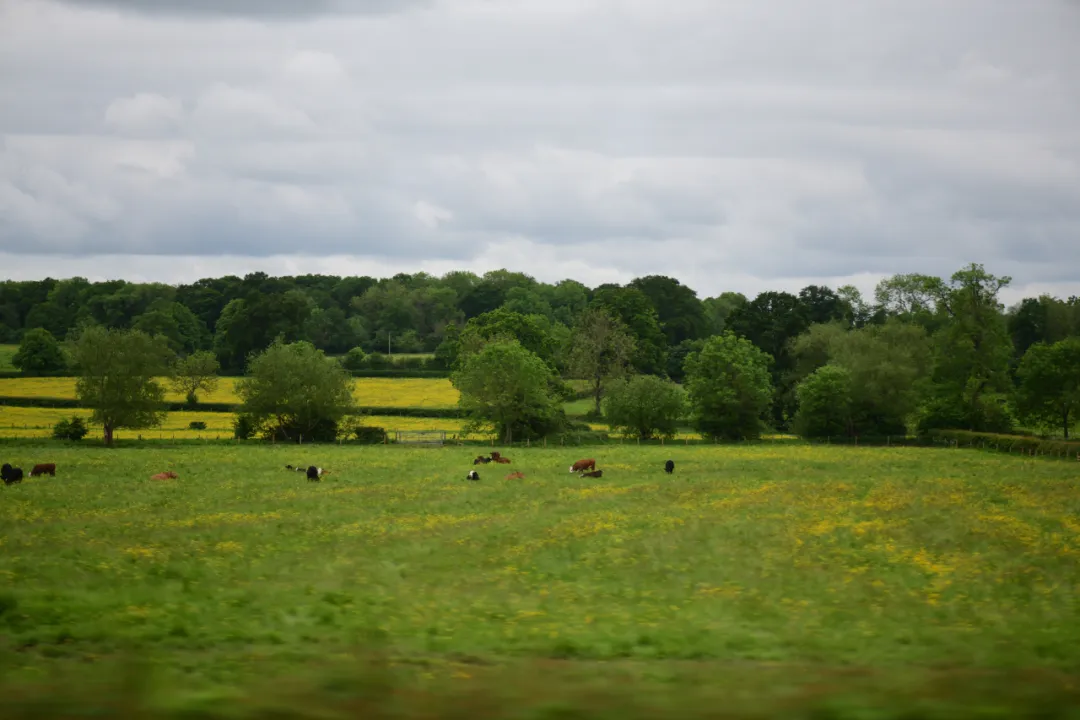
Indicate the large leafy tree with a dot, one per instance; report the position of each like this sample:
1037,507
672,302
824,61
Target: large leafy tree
973,350
825,404
294,392
635,310
509,388
645,406
680,312
885,366
771,321
534,332
39,352
117,371
600,349
194,374
729,388
1049,392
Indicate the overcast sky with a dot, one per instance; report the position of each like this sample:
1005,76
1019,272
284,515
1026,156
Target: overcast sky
734,144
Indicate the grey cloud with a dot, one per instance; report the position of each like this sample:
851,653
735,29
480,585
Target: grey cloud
711,141
265,9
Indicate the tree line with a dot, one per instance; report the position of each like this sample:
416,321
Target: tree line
927,352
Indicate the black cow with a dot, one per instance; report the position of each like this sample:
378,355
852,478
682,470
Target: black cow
10,475
473,475
669,467
313,473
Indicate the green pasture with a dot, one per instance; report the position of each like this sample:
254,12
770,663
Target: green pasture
747,563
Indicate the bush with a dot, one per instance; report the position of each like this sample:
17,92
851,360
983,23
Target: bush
74,429
39,353
245,427
370,435
824,403
645,406
196,425
356,360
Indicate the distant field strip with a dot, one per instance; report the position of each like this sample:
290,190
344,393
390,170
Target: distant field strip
379,392
19,422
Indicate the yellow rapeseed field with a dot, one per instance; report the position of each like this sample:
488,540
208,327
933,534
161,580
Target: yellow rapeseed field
374,392
22,422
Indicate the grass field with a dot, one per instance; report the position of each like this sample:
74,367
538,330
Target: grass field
752,569
6,353
379,392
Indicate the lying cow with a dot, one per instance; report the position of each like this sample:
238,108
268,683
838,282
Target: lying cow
500,459
593,474
516,476
473,475
10,475
314,473
44,469
581,465
480,459
167,475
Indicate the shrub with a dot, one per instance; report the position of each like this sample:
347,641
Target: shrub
245,426
74,429
196,425
824,403
370,435
645,406
356,360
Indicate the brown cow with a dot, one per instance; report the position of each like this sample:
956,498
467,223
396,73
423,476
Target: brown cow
594,474
502,460
167,475
586,464
42,469
516,476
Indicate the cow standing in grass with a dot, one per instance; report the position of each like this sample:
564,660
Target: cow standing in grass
583,465
44,469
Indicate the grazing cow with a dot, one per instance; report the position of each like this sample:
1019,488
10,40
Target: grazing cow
594,474
473,475
44,468
516,476
580,465
669,467
480,459
10,475
167,475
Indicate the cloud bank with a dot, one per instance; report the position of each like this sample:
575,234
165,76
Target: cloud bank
735,145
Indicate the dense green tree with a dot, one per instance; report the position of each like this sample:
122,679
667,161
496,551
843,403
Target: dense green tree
677,355
182,329
1049,391
117,373
973,350
194,374
645,406
678,309
729,388
509,388
294,392
771,321
825,404
599,350
636,312
718,309
534,332
39,353
822,304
